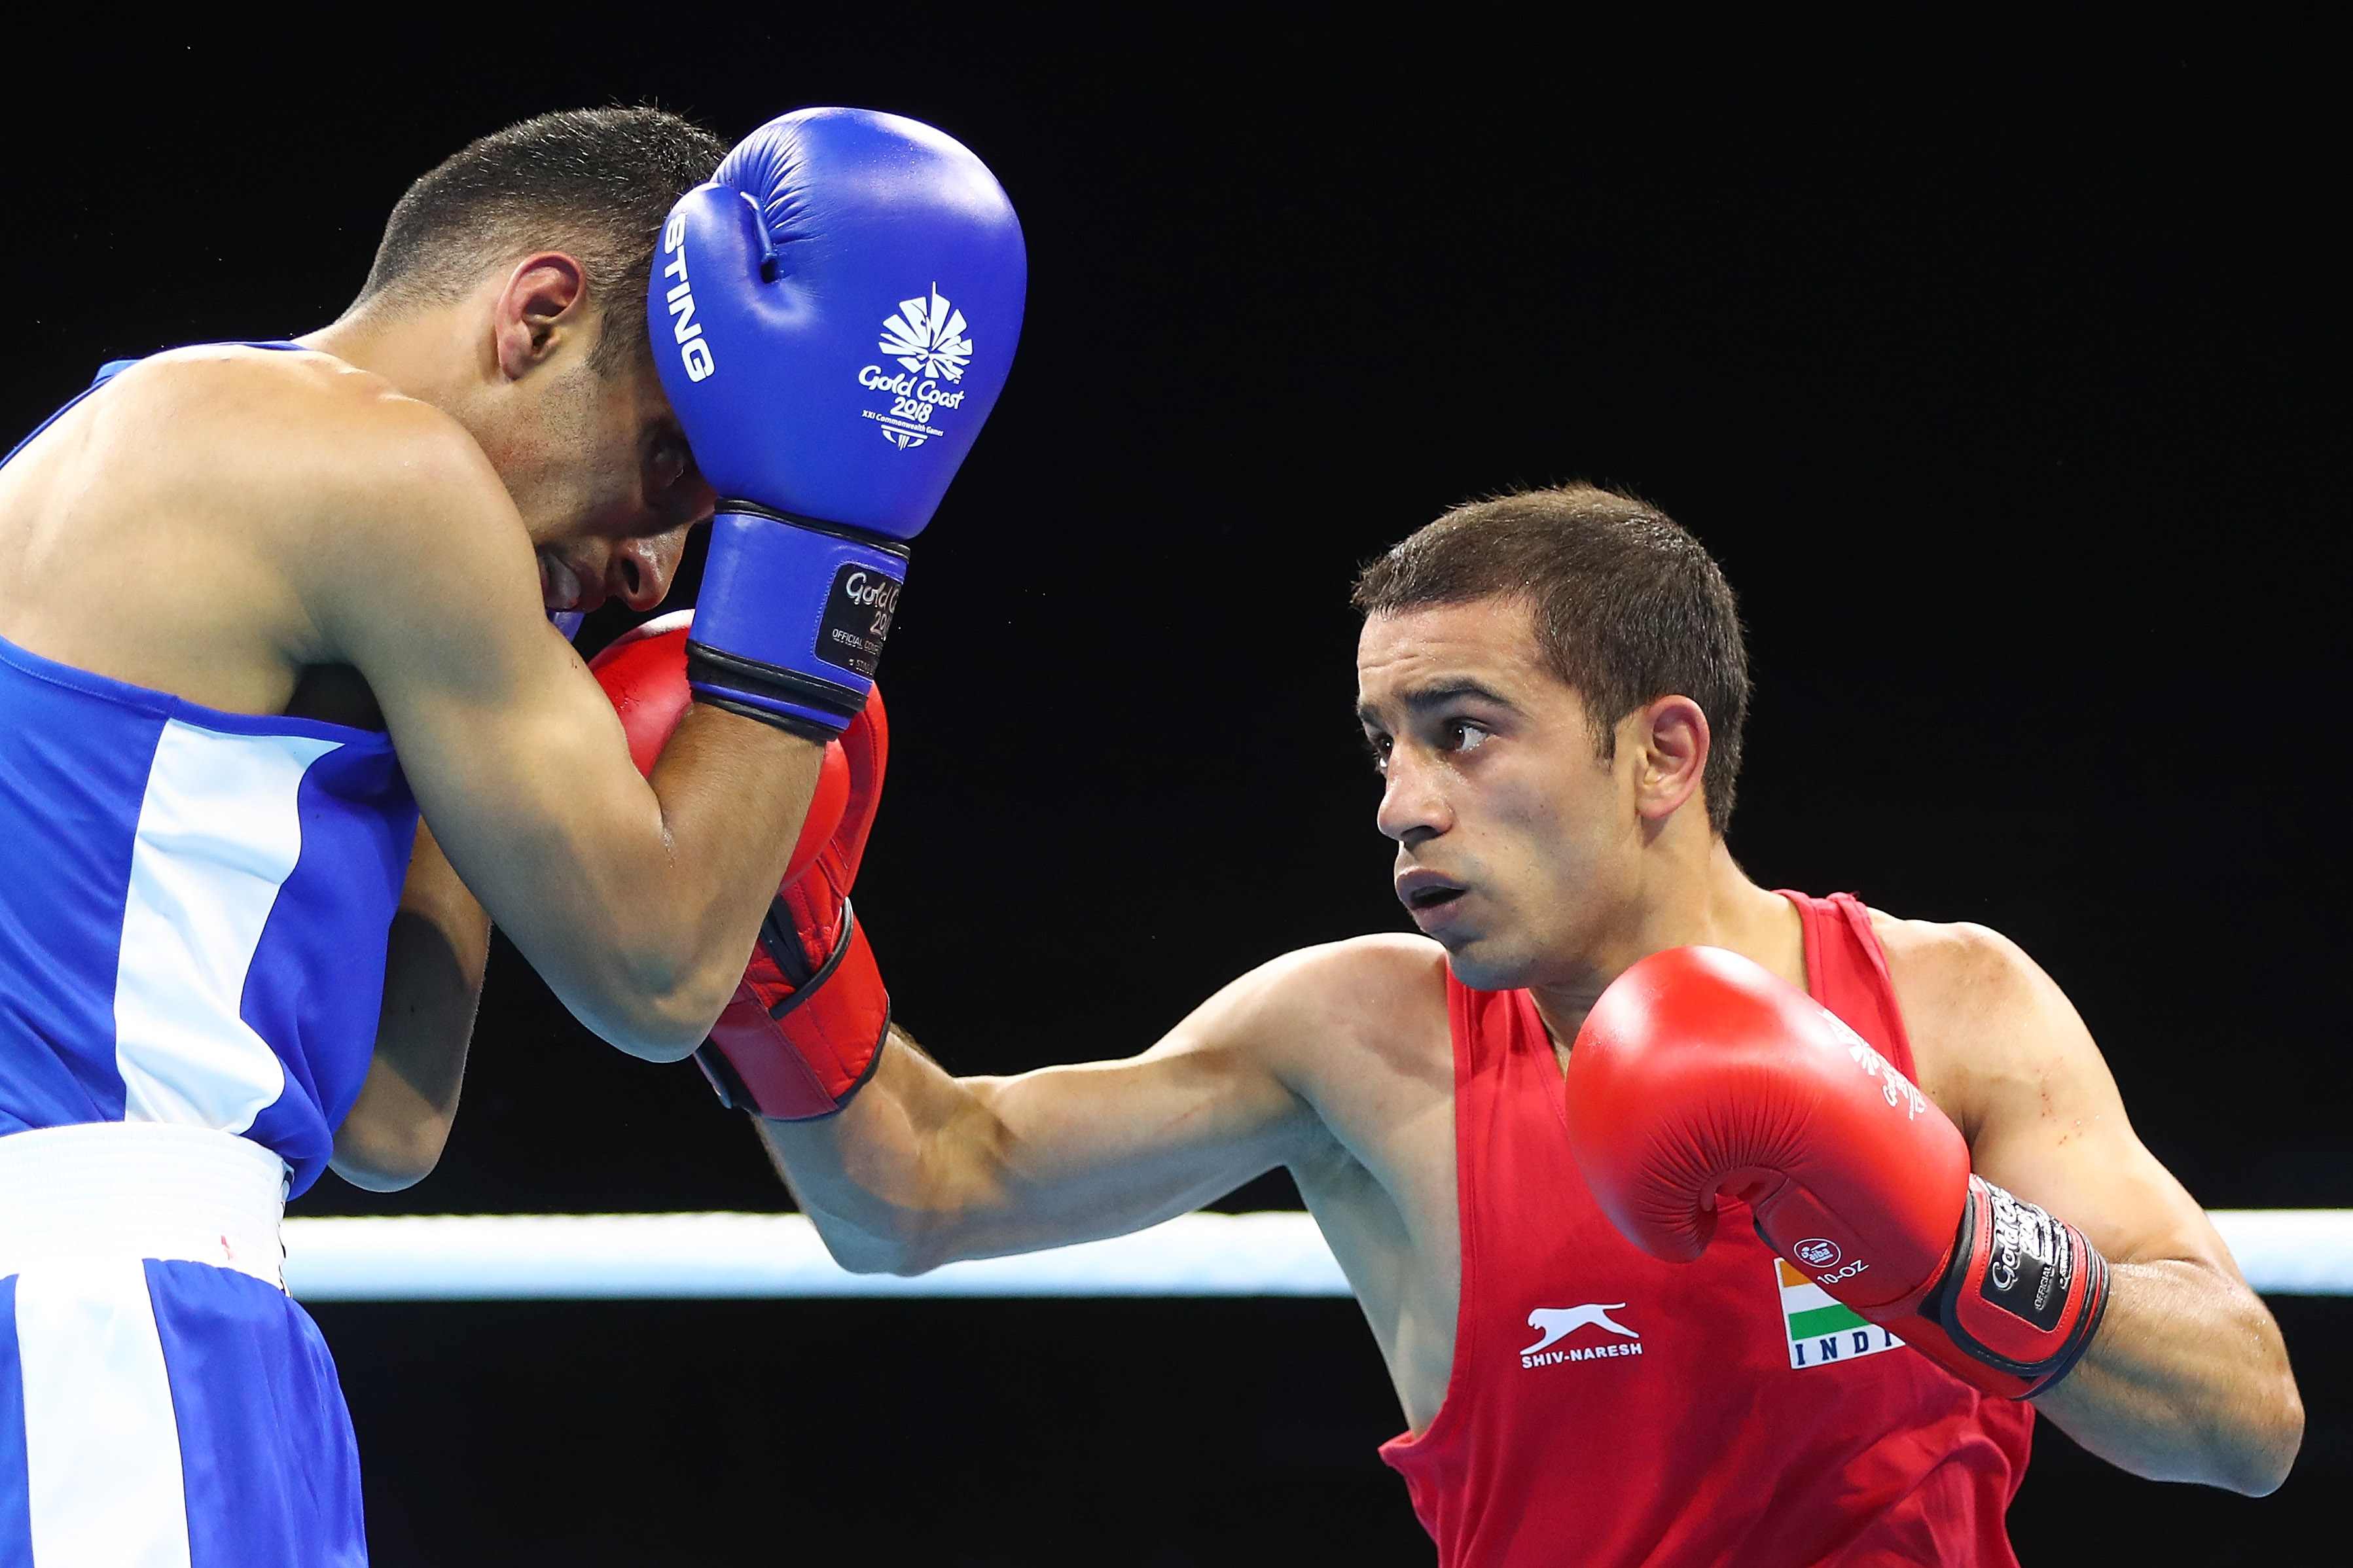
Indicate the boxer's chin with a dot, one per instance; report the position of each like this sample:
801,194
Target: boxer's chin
1481,961
1477,975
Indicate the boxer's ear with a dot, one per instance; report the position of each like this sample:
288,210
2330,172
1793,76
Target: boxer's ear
542,306
1667,739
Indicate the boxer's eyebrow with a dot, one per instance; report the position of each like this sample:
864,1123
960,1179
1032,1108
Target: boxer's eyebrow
1421,699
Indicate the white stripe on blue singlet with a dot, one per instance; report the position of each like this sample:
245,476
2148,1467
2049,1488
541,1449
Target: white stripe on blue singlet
104,1486
219,832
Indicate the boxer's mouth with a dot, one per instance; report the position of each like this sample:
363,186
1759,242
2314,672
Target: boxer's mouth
1427,891
559,584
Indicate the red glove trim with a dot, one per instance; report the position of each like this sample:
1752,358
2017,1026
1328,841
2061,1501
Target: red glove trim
819,1045
2025,1291
808,988
1924,1334
1964,1322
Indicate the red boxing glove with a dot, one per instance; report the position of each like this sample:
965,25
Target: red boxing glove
1700,1074
805,1028
643,672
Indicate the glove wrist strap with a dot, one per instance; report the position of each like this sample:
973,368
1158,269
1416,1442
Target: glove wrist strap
790,722
804,704
793,613
2025,1291
803,1056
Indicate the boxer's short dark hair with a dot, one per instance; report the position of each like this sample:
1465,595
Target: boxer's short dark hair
595,183
1629,607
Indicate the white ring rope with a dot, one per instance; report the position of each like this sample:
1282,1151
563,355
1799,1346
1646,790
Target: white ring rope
489,1257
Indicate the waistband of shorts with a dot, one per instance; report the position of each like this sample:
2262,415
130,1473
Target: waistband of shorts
140,1189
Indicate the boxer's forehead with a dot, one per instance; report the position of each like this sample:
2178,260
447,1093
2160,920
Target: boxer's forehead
1409,658
641,385
630,403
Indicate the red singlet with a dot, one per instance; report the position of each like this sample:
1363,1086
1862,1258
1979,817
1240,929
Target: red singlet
1607,1408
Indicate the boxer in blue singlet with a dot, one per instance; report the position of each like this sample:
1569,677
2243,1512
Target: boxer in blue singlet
261,602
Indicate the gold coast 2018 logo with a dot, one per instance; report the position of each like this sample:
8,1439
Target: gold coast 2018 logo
929,341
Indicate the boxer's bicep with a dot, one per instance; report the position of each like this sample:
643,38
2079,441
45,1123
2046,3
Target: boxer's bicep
2044,1117
431,592
2186,1378
1121,1144
1246,1082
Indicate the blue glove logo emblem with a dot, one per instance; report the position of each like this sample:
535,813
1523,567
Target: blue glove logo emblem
927,337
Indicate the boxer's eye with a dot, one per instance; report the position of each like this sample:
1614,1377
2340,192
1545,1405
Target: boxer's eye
1377,748
1464,736
666,465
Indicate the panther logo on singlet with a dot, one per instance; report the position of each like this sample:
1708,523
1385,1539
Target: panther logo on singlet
1557,1323
929,339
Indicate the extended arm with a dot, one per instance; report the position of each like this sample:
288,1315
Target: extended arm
434,958
920,1168
2186,1378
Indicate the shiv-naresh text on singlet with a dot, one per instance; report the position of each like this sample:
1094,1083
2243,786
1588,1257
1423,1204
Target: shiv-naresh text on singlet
1607,1408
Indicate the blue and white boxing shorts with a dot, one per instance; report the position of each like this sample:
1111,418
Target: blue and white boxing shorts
163,1403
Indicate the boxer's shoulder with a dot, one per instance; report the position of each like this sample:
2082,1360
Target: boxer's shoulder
1981,1014
1948,973
353,489
201,522
1357,1028
254,452
1383,994
1328,1012
293,431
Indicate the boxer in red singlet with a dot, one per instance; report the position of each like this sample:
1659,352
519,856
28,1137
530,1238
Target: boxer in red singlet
1553,685
1894,1460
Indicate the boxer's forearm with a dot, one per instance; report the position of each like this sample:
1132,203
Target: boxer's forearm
657,945
922,1169
639,906
2187,1381
433,959
886,1179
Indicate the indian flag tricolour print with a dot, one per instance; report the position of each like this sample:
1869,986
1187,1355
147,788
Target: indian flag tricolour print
1822,1329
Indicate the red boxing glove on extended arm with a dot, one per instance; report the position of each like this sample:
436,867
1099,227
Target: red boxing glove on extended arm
1699,1073
643,672
806,1026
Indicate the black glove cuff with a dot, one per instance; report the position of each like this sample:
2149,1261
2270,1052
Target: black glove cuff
791,724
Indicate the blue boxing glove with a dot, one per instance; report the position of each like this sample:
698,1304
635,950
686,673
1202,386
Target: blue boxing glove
834,314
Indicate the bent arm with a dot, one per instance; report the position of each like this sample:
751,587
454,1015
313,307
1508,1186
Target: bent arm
433,959
2187,1381
2186,1378
922,1168
637,901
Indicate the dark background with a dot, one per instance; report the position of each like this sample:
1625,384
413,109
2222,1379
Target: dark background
2001,369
